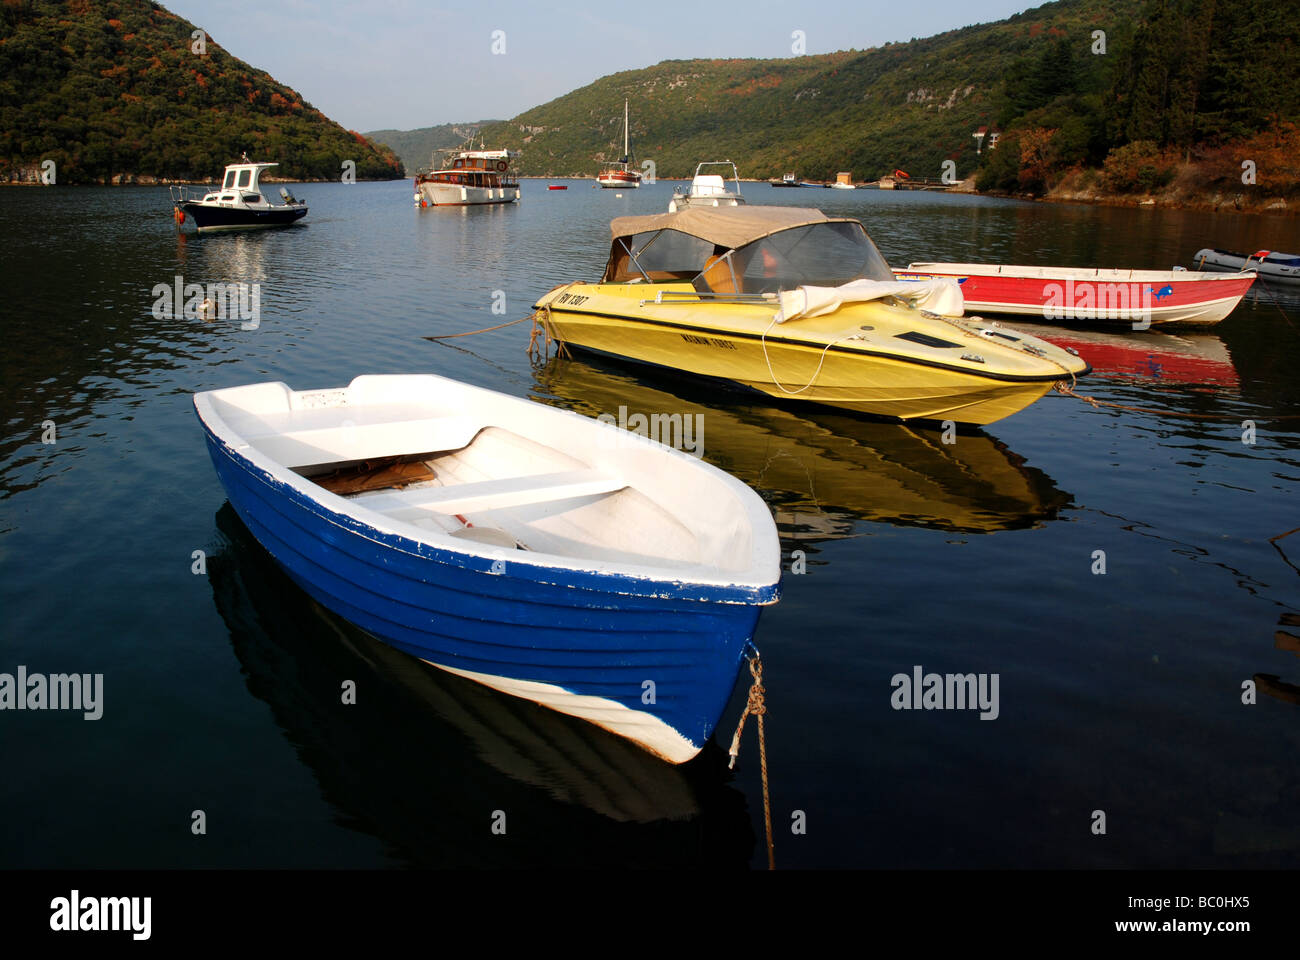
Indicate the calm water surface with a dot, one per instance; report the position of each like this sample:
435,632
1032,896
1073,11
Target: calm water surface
1119,692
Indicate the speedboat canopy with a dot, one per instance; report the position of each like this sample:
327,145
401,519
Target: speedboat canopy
743,250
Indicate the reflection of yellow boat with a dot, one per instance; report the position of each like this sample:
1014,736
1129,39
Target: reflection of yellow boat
797,304
819,470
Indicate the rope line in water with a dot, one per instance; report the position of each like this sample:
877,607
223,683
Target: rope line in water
757,706
470,333
542,330
1068,390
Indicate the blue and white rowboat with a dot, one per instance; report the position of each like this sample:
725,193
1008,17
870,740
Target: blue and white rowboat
545,554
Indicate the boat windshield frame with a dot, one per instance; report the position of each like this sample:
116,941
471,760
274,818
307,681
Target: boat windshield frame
735,179
728,270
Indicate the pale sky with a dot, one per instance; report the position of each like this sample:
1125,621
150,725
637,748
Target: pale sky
378,64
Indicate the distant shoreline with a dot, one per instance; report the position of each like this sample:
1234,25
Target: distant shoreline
146,181
1208,203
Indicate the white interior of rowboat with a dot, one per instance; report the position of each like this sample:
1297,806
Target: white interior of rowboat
476,471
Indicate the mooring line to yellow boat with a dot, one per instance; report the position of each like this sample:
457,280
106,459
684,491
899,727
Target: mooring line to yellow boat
541,318
758,707
470,333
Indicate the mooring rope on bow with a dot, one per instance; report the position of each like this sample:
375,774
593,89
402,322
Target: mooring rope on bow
757,706
538,352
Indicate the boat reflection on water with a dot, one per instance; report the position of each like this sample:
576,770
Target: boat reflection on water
1192,358
424,759
821,471
1270,684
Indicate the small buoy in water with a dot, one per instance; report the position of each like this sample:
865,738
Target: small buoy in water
618,194
208,310
424,203
178,215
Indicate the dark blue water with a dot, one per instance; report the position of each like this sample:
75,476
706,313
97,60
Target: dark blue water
1119,692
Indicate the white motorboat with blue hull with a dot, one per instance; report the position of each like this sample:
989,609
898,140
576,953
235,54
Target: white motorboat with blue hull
623,587
238,204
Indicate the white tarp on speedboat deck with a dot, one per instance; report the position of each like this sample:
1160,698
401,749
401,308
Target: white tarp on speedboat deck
941,295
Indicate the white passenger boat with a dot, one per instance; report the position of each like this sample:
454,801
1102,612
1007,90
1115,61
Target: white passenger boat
472,177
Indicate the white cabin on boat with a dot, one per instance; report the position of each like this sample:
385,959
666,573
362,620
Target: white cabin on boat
240,186
708,189
472,177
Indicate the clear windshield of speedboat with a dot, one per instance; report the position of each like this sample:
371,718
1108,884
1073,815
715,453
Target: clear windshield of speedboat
820,254
660,255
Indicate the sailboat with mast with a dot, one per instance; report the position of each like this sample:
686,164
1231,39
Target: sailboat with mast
621,173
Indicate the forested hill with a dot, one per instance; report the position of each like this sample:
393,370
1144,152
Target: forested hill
417,148
1065,83
910,105
122,88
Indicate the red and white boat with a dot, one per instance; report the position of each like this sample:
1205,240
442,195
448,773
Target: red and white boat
473,177
620,174
1144,298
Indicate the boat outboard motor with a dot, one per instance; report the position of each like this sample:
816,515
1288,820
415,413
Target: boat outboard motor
288,197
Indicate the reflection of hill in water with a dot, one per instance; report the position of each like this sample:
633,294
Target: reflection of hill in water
424,758
821,471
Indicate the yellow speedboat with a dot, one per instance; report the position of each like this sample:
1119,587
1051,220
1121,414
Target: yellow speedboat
800,305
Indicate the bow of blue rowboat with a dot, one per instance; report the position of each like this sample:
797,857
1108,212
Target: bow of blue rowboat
542,553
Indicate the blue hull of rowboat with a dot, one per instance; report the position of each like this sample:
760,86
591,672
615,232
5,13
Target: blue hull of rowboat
581,634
